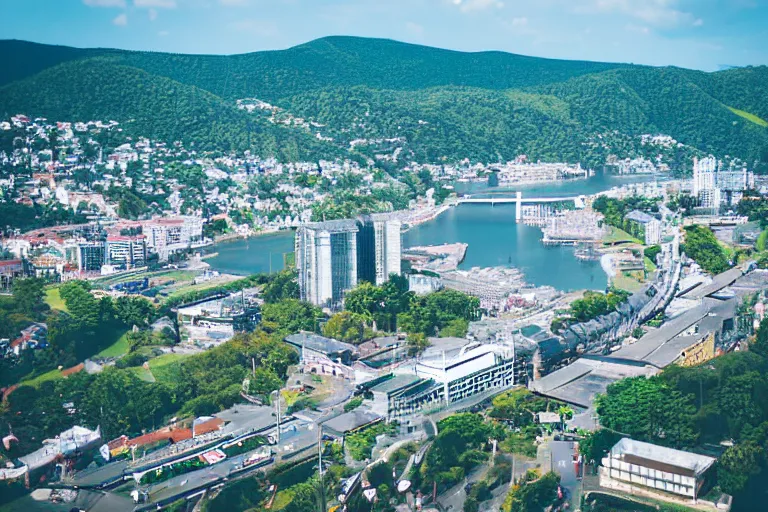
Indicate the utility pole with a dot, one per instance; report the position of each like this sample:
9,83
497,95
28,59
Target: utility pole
320,466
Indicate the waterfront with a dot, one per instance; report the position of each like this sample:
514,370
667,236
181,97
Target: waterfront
494,239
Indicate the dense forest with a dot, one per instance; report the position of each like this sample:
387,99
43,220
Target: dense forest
436,105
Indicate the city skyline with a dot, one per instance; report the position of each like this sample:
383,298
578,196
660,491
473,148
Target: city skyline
707,35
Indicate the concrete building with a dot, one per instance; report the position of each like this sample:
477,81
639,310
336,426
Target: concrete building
451,370
326,261
126,251
379,247
10,270
646,225
169,235
713,185
636,467
91,255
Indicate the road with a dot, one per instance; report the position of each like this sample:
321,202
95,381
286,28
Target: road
562,463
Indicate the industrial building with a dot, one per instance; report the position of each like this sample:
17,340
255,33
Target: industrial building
636,467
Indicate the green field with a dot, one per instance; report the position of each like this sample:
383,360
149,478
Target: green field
749,117
165,368
51,375
619,235
53,299
625,282
118,348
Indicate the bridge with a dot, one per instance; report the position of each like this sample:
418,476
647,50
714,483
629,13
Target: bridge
519,200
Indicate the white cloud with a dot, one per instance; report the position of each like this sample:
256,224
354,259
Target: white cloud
698,22
163,33
258,28
104,3
477,5
657,13
152,14
163,4
121,20
519,22
414,29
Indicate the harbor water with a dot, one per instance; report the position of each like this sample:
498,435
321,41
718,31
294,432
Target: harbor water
494,239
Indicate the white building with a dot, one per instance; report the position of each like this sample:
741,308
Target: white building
166,236
379,247
453,369
637,467
126,251
326,260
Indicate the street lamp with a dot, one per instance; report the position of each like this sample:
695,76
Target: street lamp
277,404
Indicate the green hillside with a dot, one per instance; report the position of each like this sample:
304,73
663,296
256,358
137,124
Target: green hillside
328,62
152,106
421,103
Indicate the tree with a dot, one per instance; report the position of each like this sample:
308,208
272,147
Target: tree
650,410
417,343
596,444
345,326
282,285
702,246
292,315
738,465
264,381
134,311
28,295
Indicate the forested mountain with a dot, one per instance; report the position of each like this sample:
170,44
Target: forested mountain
393,99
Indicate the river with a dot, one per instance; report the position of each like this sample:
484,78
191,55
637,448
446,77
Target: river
493,236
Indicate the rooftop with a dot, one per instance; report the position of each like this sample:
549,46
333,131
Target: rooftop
691,463
333,226
396,383
319,343
352,420
641,217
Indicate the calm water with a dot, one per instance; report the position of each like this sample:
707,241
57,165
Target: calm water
494,239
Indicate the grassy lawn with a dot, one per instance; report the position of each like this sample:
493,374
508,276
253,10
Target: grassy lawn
749,117
53,299
44,377
649,265
619,235
165,368
625,282
118,348
142,373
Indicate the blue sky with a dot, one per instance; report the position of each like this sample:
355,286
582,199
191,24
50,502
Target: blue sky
702,34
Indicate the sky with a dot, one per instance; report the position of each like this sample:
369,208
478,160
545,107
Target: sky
699,34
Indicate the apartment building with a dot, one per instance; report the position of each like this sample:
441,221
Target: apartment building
326,260
333,256
170,235
126,251
379,247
